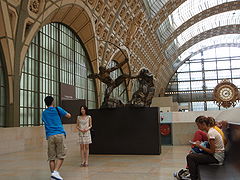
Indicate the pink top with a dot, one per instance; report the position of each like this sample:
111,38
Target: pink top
200,136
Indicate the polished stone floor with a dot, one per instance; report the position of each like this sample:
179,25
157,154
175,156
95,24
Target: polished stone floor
33,165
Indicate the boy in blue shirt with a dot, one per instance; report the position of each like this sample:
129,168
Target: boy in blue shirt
55,135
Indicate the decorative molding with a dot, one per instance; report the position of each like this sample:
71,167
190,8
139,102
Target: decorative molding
99,6
34,6
133,25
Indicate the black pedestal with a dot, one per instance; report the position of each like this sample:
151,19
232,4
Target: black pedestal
125,131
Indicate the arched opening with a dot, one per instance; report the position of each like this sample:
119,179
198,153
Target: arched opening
3,87
56,55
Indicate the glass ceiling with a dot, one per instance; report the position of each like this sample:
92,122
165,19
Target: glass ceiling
180,15
221,19
155,6
216,40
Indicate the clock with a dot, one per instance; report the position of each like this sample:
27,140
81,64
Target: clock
226,94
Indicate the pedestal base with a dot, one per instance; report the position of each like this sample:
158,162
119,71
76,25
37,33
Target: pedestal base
125,130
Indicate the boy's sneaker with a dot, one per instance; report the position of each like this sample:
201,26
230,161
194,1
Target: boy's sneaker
56,175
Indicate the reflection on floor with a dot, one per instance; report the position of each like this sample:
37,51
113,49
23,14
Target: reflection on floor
33,165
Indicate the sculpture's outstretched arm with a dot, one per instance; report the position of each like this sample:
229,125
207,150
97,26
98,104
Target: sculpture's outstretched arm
93,76
118,65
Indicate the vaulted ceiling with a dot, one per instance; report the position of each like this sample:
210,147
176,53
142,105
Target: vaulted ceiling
184,27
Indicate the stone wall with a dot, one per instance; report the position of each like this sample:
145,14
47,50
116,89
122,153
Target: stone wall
182,132
25,138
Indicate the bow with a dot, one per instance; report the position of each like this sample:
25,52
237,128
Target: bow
125,58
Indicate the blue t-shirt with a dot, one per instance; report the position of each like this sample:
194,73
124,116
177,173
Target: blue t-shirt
52,121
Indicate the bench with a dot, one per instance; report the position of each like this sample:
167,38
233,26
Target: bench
231,168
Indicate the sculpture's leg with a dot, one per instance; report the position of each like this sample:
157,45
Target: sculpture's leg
107,93
149,96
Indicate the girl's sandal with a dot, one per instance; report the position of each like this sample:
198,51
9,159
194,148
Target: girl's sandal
82,164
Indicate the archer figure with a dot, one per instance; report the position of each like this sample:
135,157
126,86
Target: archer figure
104,76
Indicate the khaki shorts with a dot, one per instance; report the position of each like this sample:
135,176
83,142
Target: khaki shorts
56,147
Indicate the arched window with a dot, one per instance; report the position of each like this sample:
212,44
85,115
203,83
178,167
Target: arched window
193,83
2,94
55,56
120,92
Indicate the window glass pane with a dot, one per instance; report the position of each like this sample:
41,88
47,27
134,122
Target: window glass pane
224,74
212,106
196,76
234,51
197,85
155,5
223,64
236,73
198,106
210,74
211,84
222,52
236,82
183,86
210,65
183,76
195,66
235,63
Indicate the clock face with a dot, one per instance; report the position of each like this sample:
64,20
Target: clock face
226,94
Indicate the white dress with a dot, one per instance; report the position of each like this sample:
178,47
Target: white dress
84,138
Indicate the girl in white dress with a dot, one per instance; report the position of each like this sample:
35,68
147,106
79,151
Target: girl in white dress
84,124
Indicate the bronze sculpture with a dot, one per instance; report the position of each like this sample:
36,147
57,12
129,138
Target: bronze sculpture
104,76
143,96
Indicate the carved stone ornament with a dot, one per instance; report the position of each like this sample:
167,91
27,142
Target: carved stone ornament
226,94
34,6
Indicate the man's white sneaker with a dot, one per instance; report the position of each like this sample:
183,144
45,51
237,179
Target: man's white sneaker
56,175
